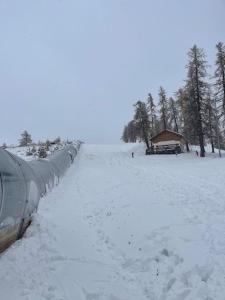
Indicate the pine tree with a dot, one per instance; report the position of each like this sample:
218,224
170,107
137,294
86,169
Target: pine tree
197,89
220,78
25,139
142,121
163,108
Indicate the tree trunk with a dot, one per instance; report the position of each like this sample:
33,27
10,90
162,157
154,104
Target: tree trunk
211,127
201,139
145,134
176,126
164,117
217,128
174,117
211,138
212,145
164,123
199,122
146,142
187,147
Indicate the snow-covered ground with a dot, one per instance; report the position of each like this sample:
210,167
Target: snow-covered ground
22,151
122,228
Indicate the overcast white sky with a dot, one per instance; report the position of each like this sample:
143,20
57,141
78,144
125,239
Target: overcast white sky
74,68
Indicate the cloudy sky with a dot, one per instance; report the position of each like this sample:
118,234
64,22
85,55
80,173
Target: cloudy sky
75,67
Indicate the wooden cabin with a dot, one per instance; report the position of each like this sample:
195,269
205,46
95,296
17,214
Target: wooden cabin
167,142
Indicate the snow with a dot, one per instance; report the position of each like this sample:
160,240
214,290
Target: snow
21,152
123,228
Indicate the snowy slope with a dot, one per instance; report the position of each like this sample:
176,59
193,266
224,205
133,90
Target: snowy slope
118,228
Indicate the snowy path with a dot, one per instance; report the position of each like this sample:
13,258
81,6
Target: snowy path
119,228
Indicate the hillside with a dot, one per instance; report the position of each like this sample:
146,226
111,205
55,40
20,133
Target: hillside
123,228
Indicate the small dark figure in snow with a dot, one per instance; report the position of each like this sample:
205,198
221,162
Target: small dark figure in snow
132,154
196,152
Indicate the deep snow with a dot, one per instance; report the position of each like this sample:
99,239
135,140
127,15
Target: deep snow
122,228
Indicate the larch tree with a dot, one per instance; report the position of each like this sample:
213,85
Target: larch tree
197,90
163,108
173,114
151,109
210,122
185,116
132,132
125,137
189,116
220,78
141,120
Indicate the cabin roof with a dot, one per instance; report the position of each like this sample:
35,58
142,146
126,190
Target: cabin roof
166,130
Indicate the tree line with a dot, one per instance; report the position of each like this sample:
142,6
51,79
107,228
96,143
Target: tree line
26,140
197,109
